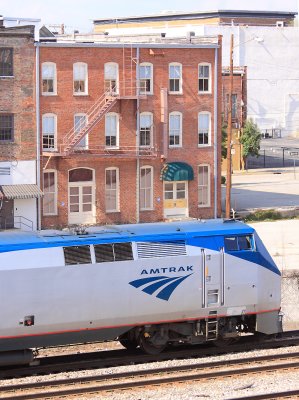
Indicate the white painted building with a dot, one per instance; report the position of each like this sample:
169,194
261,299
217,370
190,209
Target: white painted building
20,193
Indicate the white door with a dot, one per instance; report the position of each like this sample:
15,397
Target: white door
81,204
176,199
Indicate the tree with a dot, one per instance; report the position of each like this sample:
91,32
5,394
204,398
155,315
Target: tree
250,140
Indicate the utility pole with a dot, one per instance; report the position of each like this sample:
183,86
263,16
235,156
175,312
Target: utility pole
229,133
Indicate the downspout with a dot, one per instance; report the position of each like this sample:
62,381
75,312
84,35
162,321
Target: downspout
137,136
37,116
215,134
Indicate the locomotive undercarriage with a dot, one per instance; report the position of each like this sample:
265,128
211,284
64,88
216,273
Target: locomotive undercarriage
153,339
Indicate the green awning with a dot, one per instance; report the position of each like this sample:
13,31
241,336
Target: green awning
176,171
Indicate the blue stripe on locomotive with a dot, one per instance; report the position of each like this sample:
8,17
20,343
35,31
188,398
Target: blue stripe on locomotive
208,234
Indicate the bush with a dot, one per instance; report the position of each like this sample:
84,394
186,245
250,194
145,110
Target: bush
263,215
223,180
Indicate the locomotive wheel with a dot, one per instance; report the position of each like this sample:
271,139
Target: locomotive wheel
149,348
129,344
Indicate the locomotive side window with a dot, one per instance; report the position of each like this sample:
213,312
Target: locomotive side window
113,252
231,243
238,243
77,255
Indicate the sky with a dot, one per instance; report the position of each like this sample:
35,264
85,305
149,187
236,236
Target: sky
79,14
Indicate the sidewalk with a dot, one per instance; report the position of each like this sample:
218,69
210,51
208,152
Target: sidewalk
264,188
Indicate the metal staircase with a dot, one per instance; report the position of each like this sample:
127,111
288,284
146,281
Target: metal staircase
94,115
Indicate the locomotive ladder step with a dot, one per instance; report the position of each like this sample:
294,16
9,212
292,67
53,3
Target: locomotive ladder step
212,329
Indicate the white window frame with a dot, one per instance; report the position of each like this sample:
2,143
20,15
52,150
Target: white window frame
54,78
83,144
204,185
180,79
84,67
143,207
109,86
201,131
209,78
54,116
178,132
150,78
116,190
49,171
145,128
110,134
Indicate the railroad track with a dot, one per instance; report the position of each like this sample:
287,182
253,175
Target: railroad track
105,359
153,377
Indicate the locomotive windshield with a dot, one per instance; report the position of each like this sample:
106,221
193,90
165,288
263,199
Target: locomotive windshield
238,243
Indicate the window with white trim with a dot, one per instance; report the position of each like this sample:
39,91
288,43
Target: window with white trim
146,128
175,129
146,78
204,129
49,80
112,189
204,78
80,121
204,185
80,78
49,131
111,77
112,130
50,192
175,78
146,188
6,61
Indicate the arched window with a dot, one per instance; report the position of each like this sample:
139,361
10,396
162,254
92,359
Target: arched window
112,189
80,78
80,121
146,78
49,80
49,131
204,187
112,130
175,129
204,128
204,78
50,192
146,188
175,78
111,77
146,129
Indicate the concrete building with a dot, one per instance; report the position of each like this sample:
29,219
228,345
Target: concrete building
19,183
130,129
265,42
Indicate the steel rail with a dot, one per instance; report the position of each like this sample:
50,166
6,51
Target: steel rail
137,377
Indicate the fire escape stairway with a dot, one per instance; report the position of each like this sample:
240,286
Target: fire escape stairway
94,115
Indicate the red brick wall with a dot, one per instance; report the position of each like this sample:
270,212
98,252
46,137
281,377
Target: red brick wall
65,105
17,96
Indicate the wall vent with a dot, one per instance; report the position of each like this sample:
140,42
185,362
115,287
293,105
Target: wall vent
161,249
4,170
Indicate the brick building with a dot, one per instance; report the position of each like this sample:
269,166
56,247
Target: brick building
130,130
19,191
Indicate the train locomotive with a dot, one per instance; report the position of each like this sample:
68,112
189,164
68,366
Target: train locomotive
145,285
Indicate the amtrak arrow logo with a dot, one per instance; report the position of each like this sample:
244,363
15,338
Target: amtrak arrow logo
153,284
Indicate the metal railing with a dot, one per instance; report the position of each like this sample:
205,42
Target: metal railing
16,222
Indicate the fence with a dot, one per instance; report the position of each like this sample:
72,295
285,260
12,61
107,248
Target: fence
276,157
290,299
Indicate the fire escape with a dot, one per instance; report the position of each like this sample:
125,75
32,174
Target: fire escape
127,88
